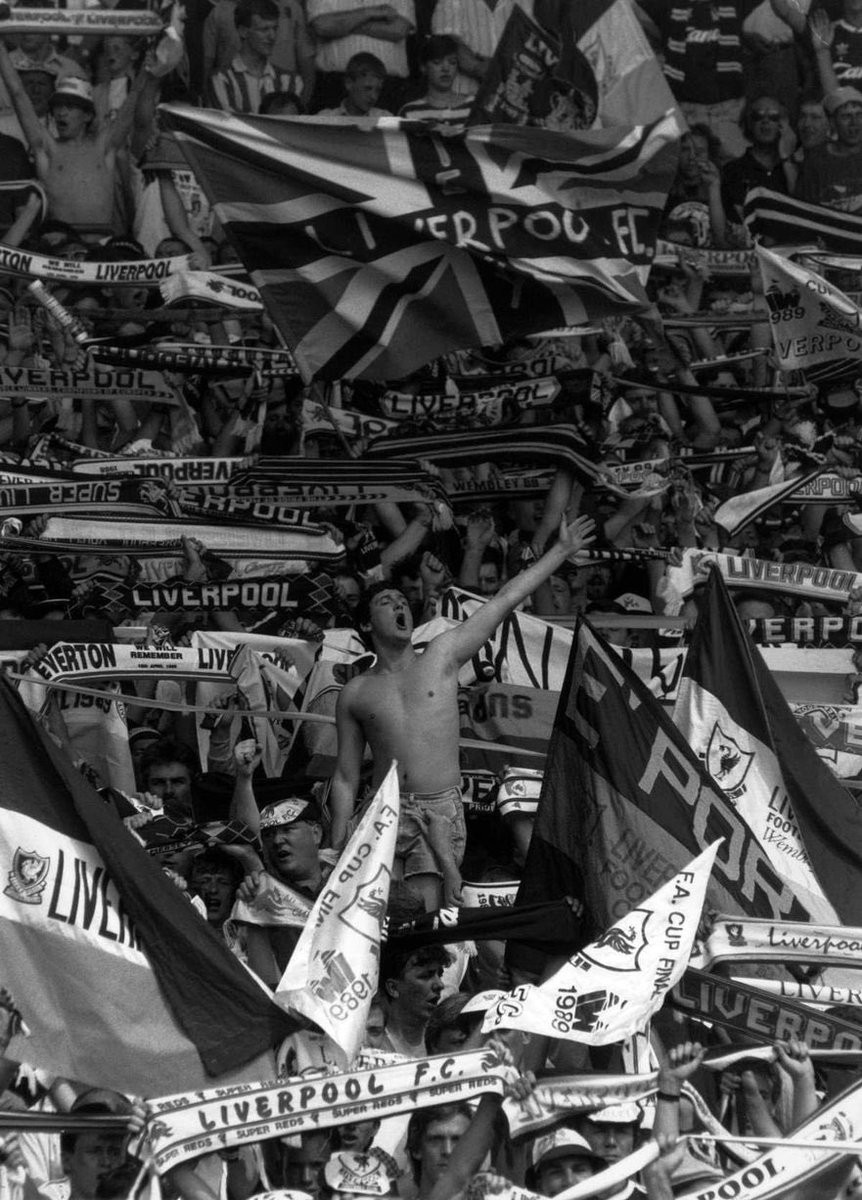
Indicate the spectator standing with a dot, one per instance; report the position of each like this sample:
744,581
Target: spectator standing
703,64
293,51
120,56
812,127
762,164
346,27
832,174
774,58
363,82
838,46
476,28
251,74
441,102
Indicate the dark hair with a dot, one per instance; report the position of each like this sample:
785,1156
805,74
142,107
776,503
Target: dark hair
216,859
713,142
267,10
166,750
448,1015
437,46
362,613
362,63
422,1118
275,101
393,962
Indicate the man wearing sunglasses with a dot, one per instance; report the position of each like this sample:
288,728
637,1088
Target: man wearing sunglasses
762,165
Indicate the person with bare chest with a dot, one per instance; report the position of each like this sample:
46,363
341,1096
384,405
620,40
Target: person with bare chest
406,708
78,167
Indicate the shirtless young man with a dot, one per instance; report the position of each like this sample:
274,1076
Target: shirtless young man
406,708
78,167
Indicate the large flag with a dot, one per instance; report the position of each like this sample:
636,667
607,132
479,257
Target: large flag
122,983
815,327
518,86
377,249
610,989
733,714
606,58
332,974
626,803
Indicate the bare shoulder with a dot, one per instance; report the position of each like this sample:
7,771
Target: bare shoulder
351,691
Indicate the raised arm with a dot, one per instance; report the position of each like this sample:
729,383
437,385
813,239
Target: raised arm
467,638
348,765
143,92
337,25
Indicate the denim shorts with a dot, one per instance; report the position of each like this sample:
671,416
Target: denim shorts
412,847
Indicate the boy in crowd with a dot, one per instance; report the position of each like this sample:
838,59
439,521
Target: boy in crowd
441,103
364,78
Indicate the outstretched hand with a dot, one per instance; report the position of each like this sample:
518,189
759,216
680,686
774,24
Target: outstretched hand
576,536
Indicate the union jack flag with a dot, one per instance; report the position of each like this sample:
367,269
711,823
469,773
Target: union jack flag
379,247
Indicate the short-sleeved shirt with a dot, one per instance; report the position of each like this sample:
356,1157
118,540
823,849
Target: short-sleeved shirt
239,90
333,54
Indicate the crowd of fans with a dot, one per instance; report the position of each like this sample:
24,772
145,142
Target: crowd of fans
770,90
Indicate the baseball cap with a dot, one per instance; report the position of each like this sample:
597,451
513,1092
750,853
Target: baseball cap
617,1114
633,603
96,1100
841,96
287,812
562,1143
77,91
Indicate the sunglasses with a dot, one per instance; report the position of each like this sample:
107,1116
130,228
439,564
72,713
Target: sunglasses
766,116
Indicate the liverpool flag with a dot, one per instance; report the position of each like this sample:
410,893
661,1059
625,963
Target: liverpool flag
731,711
626,803
606,63
120,980
378,248
815,327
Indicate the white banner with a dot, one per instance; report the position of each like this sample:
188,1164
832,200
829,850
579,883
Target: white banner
786,1167
332,975
740,939
749,774
106,383
274,903
94,21
795,579
609,989
212,287
185,1126
812,322
148,272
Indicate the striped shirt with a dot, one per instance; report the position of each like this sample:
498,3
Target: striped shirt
222,44
478,25
702,55
240,90
453,116
333,54
847,54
